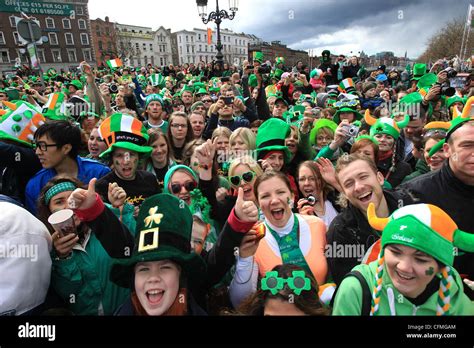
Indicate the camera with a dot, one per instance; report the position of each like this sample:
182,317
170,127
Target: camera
296,75
351,130
311,200
446,89
29,92
264,69
228,100
113,88
450,72
250,67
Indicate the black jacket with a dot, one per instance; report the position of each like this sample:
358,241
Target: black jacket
402,169
350,229
443,189
18,164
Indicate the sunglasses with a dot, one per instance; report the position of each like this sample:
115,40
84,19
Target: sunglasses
189,186
246,177
297,282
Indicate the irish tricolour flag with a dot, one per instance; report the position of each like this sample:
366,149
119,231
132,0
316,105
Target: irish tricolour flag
115,63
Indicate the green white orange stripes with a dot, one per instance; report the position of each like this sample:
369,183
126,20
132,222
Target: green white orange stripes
114,63
444,294
376,293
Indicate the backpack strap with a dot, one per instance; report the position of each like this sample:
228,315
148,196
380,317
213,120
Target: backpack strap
366,295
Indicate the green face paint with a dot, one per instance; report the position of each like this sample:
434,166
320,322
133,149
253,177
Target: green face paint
429,271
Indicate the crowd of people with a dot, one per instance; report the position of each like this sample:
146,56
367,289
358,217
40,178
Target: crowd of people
253,190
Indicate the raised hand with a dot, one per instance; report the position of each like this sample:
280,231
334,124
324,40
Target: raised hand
82,199
246,211
116,195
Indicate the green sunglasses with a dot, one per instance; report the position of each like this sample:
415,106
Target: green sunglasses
297,282
246,177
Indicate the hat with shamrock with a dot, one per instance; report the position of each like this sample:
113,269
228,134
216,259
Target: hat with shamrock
423,227
385,125
163,232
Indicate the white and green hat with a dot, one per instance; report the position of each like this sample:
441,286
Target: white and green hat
157,80
19,122
385,125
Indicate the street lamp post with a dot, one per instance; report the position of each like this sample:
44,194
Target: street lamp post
217,16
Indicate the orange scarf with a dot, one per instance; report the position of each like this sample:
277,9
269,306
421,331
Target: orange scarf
179,306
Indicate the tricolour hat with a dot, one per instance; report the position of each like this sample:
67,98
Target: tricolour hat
385,125
427,228
55,107
271,137
19,122
126,132
163,232
347,86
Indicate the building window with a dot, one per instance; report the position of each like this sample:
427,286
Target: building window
151,47
53,38
69,39
187,49
50,23
200,48
71,55
40,55
66,23
56,56
107,30
180,39
109,46
84,39
12,22
144,48
82,24
15,37
180,50
87,55
4,56
187,38
199,37
145,60
205,37
2,38
139,61
137,46
80,10
100,45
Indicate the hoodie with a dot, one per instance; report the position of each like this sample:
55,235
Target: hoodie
392,302
25,261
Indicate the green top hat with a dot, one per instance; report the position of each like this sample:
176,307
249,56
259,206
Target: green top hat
163,232
455,99
258,57
52,73
419,69
347,106
187,88
126,132
201,91
253,81
277,74
321,123
271,137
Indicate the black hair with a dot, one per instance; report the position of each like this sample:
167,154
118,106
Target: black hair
62,133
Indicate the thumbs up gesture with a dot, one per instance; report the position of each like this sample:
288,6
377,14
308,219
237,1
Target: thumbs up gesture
246,211
82,199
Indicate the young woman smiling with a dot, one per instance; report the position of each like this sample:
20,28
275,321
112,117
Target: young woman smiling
290,238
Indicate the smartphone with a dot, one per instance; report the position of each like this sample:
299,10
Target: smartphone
228,100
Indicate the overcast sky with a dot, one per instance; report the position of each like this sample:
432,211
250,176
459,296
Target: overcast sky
343,26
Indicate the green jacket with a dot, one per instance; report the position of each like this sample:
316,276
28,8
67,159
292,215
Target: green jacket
349,296
420,169
82,280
